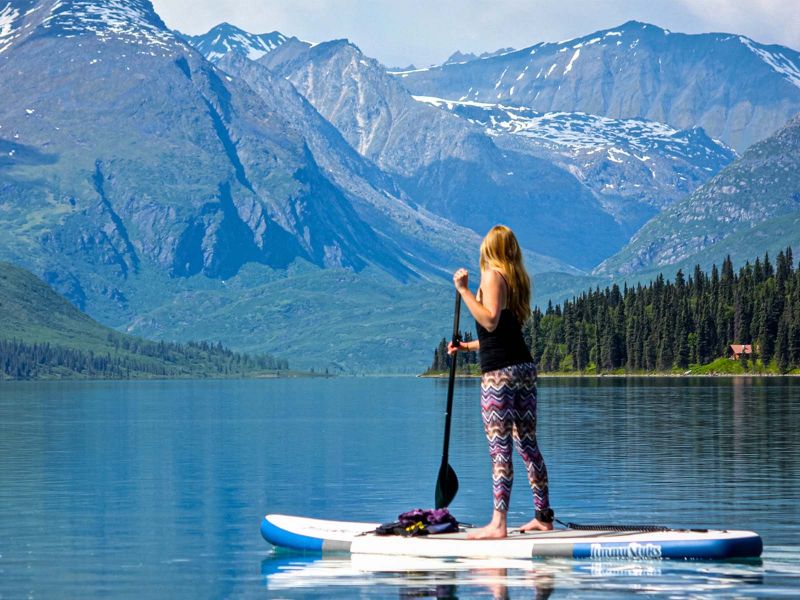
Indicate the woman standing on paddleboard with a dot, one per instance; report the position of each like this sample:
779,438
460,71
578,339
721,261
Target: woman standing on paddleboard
508,380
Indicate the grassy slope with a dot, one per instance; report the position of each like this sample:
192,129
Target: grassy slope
321,318
31,312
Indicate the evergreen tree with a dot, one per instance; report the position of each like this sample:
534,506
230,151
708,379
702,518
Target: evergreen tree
581,350
782,350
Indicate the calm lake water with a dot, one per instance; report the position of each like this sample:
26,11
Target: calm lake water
157,489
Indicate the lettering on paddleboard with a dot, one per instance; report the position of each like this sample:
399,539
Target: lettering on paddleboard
632,550
605,569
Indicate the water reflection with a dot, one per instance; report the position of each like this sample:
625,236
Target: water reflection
408,577
289,575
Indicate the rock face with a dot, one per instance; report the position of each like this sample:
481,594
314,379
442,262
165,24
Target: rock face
754,201
459,57
374,194
736,89
446,164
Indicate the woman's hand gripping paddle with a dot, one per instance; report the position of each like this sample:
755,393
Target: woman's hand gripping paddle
447,483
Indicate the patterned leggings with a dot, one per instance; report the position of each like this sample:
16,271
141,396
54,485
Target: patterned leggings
508,408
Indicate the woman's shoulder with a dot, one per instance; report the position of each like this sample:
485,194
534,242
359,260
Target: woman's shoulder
494,277
493,273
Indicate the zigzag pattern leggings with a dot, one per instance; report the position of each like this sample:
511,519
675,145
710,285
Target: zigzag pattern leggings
508,408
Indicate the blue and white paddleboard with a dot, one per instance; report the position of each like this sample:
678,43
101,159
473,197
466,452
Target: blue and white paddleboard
300,533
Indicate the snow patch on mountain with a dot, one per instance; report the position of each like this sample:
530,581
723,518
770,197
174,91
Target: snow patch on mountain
405,73
624,161
576,131
572,61
779,62
130,21
7,17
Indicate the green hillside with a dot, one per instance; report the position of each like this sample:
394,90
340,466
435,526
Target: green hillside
44,336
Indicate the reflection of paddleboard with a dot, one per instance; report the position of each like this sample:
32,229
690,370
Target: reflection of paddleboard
301,533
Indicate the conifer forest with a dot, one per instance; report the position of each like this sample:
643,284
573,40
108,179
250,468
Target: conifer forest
670,326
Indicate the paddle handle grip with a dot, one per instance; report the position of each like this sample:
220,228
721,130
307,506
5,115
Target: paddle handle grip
456,317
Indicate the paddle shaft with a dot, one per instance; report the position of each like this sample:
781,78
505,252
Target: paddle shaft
451,382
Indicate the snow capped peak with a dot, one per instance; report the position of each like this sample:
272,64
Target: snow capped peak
225,38
133,21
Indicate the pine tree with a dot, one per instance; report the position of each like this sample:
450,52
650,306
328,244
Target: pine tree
782,350
682,328
581,350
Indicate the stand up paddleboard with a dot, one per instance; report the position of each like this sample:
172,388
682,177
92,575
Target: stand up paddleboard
299,533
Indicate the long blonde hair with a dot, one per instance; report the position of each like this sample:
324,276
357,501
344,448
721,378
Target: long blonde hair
500,251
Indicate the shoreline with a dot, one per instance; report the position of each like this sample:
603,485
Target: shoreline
618,375
182,377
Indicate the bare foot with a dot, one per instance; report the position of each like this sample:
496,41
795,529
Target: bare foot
536,525
489,532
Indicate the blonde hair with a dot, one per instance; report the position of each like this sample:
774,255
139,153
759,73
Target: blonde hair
500,251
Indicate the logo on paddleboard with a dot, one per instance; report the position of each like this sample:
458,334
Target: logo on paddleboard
631,551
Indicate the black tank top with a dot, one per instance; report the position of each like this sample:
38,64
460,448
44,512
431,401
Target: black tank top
504,346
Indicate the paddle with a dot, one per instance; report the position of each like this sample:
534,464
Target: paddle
447,482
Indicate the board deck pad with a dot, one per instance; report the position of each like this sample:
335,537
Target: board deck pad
301,533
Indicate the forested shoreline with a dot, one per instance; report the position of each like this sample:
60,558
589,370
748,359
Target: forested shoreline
43,336
131,358
668,326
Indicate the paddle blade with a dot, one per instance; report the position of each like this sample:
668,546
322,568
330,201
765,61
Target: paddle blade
446,486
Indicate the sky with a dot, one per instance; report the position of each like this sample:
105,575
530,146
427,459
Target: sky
425,32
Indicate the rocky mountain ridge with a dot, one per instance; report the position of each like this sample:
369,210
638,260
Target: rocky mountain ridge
635,167
754,201
446,164
736,89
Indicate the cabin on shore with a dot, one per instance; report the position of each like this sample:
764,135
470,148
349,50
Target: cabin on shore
739,350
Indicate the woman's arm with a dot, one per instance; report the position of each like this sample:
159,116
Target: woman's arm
486,312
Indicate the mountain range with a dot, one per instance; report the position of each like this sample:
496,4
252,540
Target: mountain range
446,164
302,200
736,89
